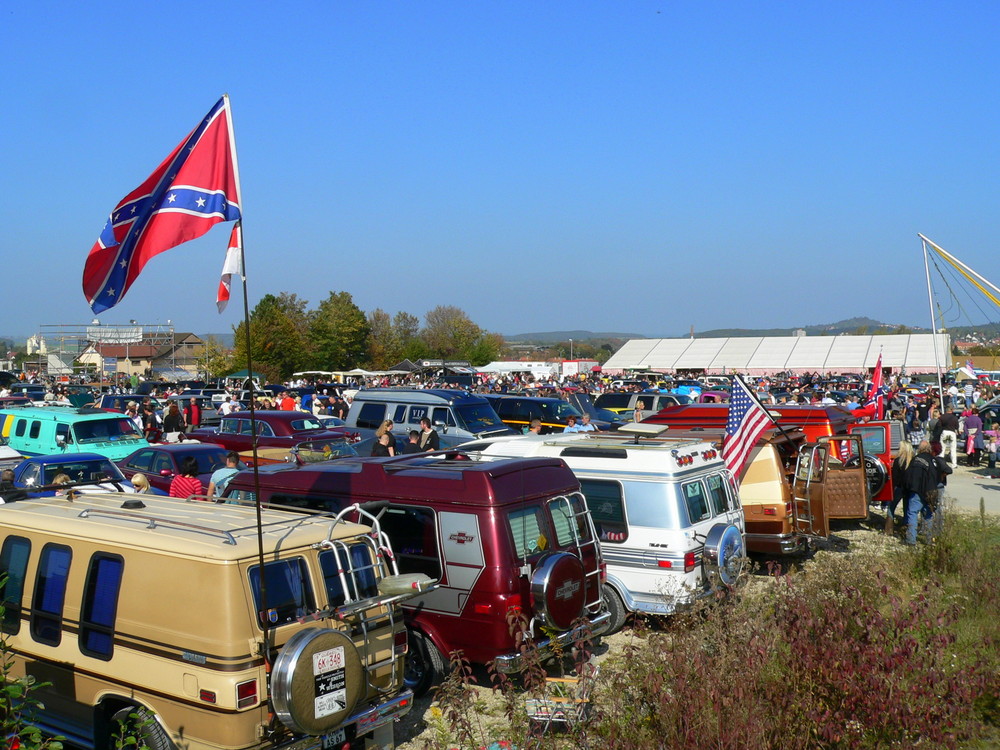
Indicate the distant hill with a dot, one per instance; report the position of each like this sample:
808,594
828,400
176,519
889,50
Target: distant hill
549,337
851,325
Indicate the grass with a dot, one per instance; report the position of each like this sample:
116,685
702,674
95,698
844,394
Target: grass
889,647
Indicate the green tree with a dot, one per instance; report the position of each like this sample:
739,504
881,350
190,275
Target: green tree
486,349
407,331
449,333
215,360
383,346
339,332
279,340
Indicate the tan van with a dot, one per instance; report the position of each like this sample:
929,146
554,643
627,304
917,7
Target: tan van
155,607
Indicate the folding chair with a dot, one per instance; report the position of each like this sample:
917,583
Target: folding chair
565,704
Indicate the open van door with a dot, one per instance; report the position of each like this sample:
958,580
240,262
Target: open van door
808,492
847,488
881,442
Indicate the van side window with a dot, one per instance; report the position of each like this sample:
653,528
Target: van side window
443,414
36,427
289,595
13,565
371,415
50,594
416,414
607,507
100,605
361,585
413,532
717,492
697,502
19,429
399,415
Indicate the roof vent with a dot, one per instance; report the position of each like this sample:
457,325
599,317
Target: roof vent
133,503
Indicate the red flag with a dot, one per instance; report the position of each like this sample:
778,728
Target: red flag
232,265
876,393
747,420
194,188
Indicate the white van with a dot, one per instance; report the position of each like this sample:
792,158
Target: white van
453,413
667,512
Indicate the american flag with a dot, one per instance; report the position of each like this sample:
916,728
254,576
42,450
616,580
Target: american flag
747,420
196,187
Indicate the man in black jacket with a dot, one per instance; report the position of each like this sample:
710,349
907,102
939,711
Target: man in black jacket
922,481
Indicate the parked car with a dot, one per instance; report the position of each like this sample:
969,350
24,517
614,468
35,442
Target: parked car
667,512
517,412
455,413
87,472
184,624
497,533
56,429
275,429
162,462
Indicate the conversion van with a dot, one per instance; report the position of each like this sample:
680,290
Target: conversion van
55,429
667,511
457,414
499,534
160,608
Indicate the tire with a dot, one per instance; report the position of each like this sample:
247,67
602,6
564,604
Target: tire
617,609
424,664
141,723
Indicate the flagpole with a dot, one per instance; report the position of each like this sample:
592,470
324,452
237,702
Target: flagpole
253,398
934,333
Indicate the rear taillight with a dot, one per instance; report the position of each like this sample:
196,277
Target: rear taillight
604,572
400,645
688,562
207,695
482,608
770,511
665,563
246,694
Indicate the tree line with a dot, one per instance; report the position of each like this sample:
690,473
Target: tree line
286,336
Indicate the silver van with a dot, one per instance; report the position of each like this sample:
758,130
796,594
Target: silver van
455,414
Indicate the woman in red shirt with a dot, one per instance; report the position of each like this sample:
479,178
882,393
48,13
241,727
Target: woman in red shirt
187,483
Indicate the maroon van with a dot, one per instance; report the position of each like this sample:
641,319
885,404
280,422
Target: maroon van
497,533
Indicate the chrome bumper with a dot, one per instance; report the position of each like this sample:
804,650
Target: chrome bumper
784,544
512,663
364,721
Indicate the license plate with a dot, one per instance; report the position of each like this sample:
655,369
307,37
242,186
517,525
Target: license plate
334,740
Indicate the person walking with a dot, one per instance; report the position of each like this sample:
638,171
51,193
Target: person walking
899,468
922,490
192,413
948,424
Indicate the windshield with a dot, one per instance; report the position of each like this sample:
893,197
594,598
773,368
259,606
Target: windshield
300,425
613,401
479,417
102,430
84,471
208,461
556,411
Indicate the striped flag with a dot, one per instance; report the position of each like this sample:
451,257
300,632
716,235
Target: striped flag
747,420
876,394
196,187
232,265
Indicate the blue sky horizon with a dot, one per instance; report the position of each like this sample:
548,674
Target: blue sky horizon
639,167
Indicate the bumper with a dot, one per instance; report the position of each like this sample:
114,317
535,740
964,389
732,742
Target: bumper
776,544
359,723
512,662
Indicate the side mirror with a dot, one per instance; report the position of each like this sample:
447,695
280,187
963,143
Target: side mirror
61,441
166,473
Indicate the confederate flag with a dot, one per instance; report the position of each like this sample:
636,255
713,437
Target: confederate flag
196,187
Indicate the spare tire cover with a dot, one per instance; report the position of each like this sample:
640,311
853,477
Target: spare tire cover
317,681
875,472
725,553
558,590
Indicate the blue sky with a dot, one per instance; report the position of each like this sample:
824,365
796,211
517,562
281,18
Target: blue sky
611,166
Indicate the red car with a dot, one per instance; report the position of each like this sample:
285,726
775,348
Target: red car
275,429
162,462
